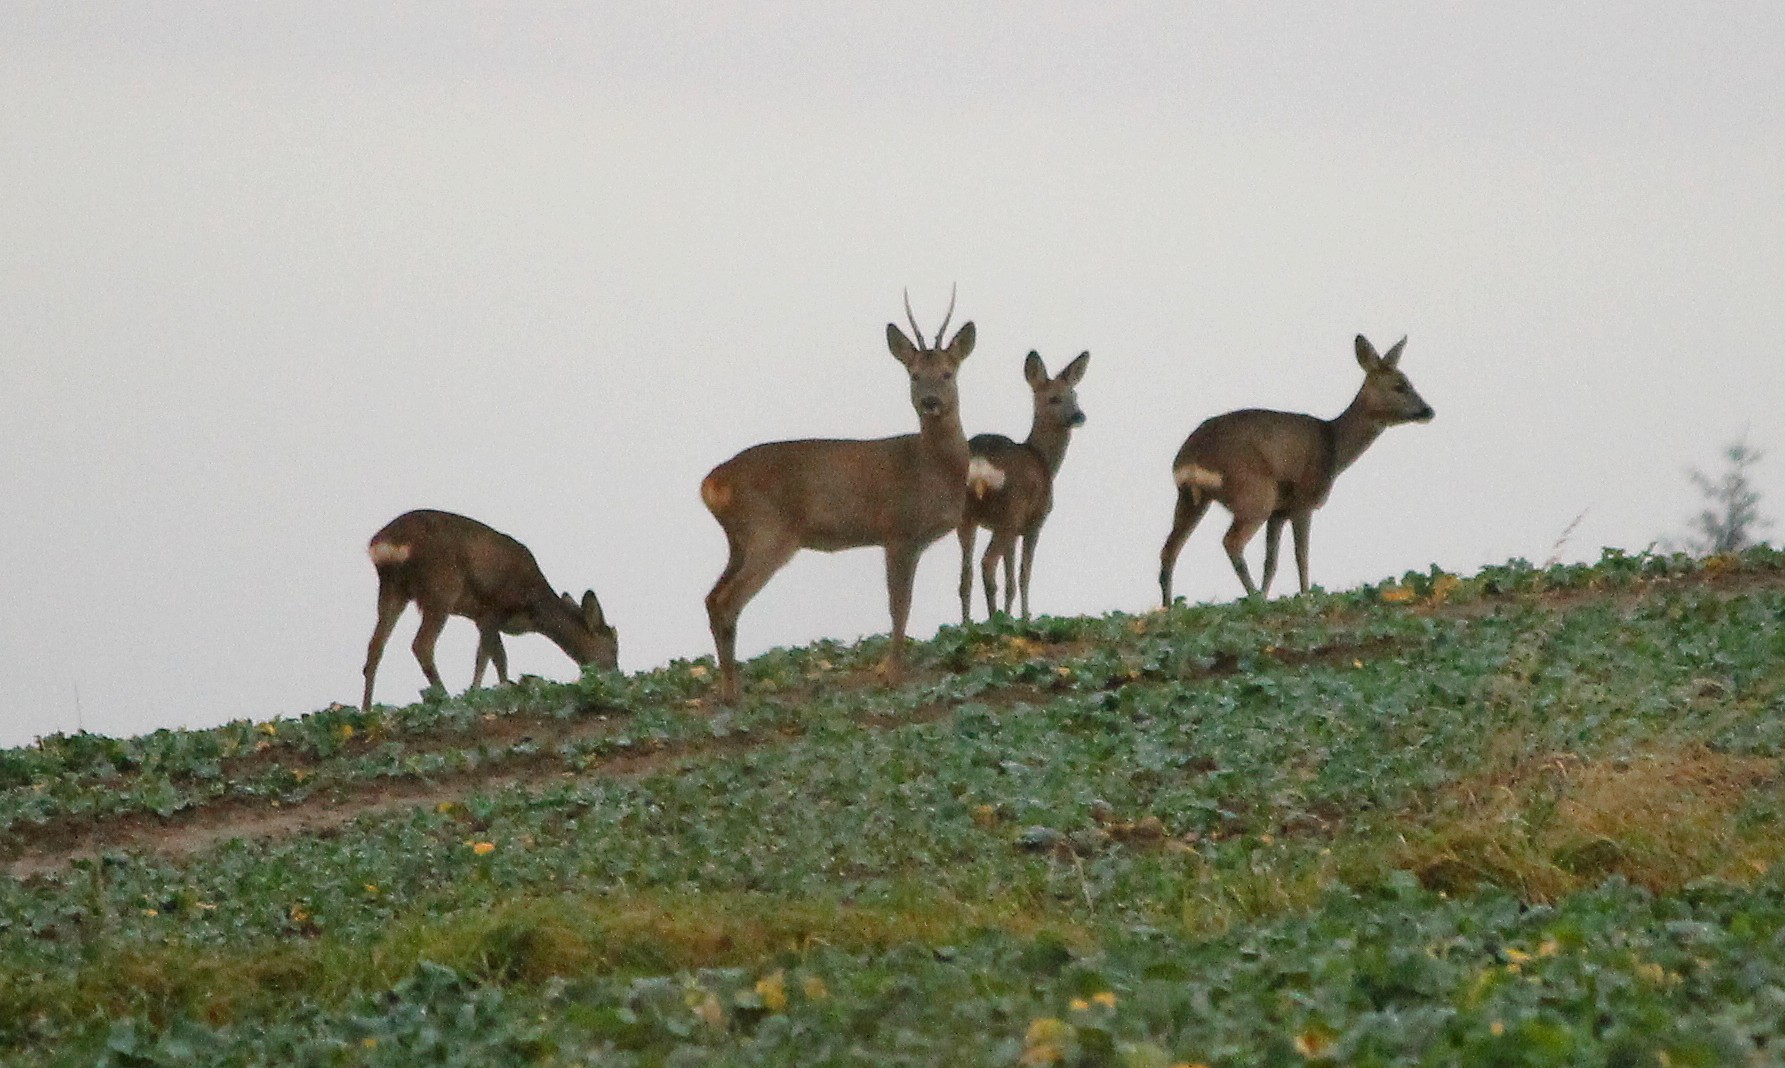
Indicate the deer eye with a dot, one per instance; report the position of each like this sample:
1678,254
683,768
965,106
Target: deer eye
947,375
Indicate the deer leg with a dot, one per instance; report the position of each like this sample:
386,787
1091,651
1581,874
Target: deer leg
988,572
1245,525
1273,537
749,569
1009,558
1299,524
484,634
1028,566
901,573
1191,506
390,606
433,621
968,532
489,647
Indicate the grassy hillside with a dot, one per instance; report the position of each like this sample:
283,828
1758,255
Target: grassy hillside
1531,816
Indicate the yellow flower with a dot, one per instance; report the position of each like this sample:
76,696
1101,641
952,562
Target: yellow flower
1063,671
1105,998
1313,1043
268,728
1399,595
1045,1041
1517,956
1079,1004
484,849
299,914
369,1042
151,912
698,671
346,732
772,988
707,1008
372,889
814,988
1496,1028
1549,948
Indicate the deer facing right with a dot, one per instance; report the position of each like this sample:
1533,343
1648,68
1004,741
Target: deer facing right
1269,467
1010,484
901,493
451,565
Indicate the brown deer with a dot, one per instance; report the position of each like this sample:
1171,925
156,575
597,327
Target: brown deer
450,565
1010,485
901,493
1268,467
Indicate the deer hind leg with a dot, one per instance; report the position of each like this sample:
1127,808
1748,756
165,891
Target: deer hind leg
752,564
1191,506
489,648
433,621
390,606
1028,567
995,550
1273,537
968,533
1299,525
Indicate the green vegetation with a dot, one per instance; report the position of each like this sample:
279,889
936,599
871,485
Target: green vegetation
1531,816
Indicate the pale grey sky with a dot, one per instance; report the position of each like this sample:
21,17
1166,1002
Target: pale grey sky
271,276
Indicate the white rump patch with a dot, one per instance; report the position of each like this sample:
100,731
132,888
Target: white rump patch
1200,477
387,552
983,476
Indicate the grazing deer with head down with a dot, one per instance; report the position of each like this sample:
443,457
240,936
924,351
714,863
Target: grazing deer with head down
901,493
450,565
1269,468
1010,485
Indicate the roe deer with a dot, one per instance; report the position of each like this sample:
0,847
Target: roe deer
450,565
901,493
1271,467
1010,484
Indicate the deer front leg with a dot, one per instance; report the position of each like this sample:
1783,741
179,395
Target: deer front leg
1299,525
901,574
1028,566
968,533
999,549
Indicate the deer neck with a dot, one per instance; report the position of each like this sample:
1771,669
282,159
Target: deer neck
944,440
1049,440
1351,433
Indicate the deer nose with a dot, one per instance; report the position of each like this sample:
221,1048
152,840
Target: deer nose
1078,419
1425,415
929,406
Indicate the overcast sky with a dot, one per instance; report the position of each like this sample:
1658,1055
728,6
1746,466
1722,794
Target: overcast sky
271,275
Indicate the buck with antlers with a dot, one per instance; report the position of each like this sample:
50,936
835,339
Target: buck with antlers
901,493
450,565
1010,485
1269,468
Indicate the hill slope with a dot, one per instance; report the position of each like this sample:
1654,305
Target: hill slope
1441,820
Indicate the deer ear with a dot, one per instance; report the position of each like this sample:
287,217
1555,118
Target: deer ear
592,611
902,348
1076,369
962,345
569,601
1392,358
1366,354
1034,371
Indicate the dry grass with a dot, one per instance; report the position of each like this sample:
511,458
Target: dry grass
1548,826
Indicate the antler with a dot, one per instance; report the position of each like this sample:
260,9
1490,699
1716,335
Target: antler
945,318
916,334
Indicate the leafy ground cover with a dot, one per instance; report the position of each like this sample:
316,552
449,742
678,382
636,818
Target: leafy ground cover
1530,816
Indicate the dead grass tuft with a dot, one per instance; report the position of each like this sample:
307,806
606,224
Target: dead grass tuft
1556,824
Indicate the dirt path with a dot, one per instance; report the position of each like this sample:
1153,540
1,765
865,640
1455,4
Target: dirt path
52,846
